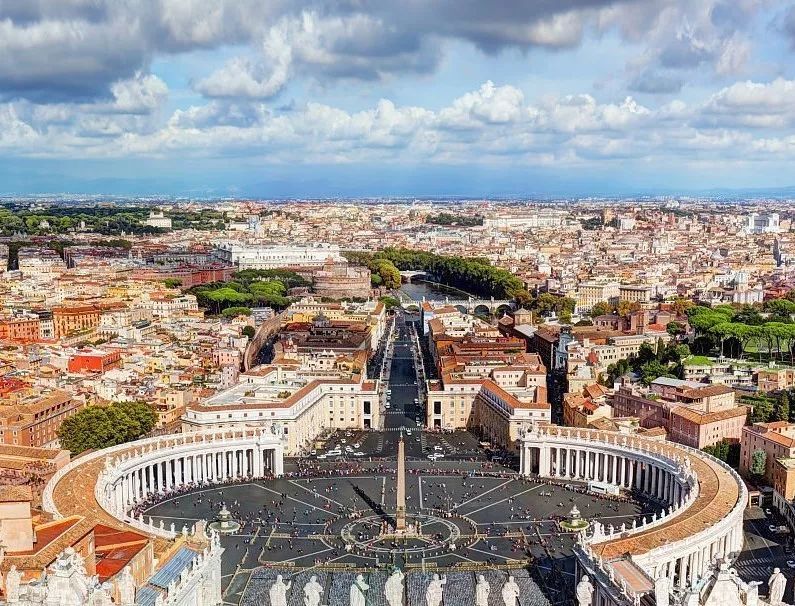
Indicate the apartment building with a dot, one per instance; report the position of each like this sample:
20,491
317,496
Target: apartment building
488,384
692,413
68,320
94,361
32,418
20,328
593,292
775,378
635,293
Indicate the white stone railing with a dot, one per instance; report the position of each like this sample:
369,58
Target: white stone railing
122,459
664,458
652,452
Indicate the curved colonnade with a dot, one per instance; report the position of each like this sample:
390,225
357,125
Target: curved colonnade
110,482
700,520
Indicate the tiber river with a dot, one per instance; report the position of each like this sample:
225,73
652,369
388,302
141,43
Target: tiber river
432,291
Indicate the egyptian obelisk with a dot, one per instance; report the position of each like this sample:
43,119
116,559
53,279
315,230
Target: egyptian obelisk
400,511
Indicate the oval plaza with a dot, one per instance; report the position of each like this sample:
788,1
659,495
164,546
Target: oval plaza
691,519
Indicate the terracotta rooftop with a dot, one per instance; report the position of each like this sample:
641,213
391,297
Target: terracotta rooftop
718,494
74,495
709,417
13,494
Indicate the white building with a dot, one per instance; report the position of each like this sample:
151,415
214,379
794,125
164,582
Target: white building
276,256
301,403
762,223
158,219
540,219
166,305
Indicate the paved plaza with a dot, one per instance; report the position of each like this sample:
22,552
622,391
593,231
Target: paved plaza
335,523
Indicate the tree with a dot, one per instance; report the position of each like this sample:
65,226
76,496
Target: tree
625,308
602,308
682,305
728,452
675,329
524,299
646,354
749,315
781,409
249,331
97,427
390,302
172,282
233,312
654,370
762,408
758,463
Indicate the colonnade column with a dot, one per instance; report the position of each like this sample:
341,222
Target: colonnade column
278,454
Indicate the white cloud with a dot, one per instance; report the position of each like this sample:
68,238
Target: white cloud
494,123
138,95
753,104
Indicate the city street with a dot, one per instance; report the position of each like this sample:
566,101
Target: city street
406,407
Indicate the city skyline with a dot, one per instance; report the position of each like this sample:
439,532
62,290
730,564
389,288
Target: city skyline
335,99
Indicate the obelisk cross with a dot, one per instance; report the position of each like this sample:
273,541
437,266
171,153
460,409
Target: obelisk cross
400,511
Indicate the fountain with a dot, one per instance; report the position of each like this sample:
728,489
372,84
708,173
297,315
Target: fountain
575,521
224,522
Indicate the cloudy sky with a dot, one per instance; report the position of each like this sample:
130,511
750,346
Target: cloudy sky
367,97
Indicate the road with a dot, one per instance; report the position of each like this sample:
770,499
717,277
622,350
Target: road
763,550
403,410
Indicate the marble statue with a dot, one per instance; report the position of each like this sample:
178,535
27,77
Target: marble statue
357,591
279,591
510,592
433,595
393,589
482,591
752,593
126,587
662,591
312,591
777,584
13,579
584,591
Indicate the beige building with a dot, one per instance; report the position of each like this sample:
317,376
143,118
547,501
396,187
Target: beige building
591,293
776,440
694,414
301,404
342,281
635,293
488,384
775,378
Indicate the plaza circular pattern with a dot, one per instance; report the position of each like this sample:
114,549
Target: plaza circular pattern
469,521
